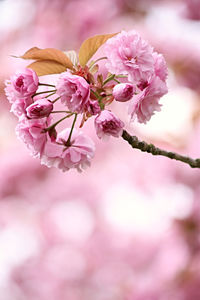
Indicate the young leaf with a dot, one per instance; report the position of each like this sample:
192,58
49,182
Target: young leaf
49,54
72,55
90,46
45,67
28,54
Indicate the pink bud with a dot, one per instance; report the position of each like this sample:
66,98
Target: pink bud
106,124
92,107
123,92
39,109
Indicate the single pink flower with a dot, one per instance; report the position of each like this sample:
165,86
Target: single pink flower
39,109
123,92
19,106
74,91
31,132
78,155
146,102
106,124
129,54
23,84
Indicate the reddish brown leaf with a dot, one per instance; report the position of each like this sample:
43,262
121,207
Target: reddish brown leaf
49,54
90,46
29,54
45,67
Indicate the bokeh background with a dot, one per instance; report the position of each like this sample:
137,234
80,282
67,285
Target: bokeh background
128,228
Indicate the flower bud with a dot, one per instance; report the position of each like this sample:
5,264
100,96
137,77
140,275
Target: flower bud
123,92
92,107
106,124
39,109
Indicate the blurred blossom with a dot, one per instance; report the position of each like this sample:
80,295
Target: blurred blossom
128,228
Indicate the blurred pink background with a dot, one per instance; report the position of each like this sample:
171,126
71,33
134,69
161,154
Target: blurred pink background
128,228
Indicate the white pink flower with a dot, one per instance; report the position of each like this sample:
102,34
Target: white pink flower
106,124
77,155
31,132
74,91
160,66
123,92
129,54
39,109
146,102
23,84
19,106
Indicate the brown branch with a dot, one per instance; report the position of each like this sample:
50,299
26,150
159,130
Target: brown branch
150,148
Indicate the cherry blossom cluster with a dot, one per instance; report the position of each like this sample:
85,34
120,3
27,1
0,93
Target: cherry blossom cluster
136,74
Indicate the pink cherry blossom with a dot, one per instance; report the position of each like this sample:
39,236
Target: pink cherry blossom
74,91
78,155
160,66
23,84
32,134
123,92
106,124
39,109
146,102
19,106
128,53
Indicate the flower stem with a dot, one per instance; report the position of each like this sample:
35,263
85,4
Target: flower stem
45,92
111,77
96,94
46,84
53,101
56,123
61,111
70,134
94,62
116,80
50,94
150,148
121,76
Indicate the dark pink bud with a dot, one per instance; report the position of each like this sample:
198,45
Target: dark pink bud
92,107
39,109
123,92
106,124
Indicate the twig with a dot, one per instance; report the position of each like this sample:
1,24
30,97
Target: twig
150,148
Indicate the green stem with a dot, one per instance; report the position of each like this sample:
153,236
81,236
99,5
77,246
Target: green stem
116,80
45,92
70,134
150,148
121,76
94,62
50,95
111,77
53,101
61,111
96,94
46,84
56,123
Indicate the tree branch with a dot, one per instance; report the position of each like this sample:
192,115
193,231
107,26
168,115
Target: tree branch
150,148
